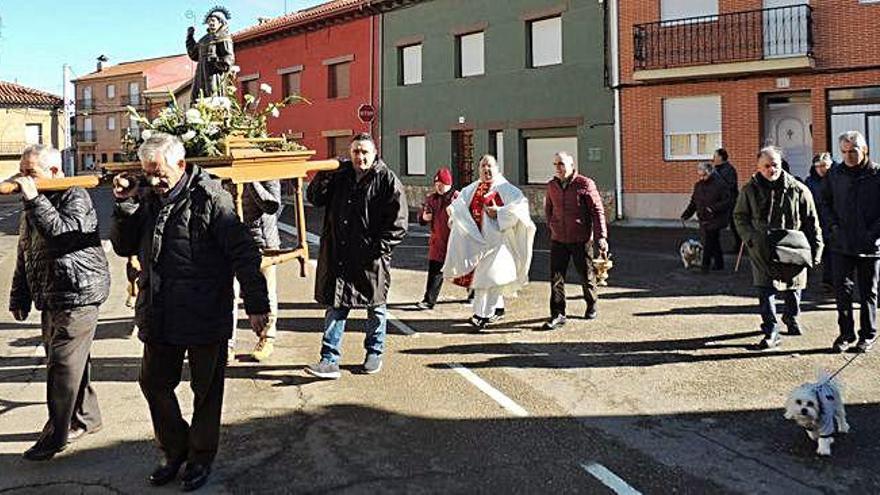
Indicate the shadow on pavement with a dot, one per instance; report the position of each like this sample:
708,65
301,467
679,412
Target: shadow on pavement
561,355
356,449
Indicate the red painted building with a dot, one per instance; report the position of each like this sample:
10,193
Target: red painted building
698,74
329,55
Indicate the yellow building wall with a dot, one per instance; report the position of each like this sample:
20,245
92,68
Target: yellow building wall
12,133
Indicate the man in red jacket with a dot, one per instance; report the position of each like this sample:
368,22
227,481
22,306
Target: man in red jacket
576,218
434,214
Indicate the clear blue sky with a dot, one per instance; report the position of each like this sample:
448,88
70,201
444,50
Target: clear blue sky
38,36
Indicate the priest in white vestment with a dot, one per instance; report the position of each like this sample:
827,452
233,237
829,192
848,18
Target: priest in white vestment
490,242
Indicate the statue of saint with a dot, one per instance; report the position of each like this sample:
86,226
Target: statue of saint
213,53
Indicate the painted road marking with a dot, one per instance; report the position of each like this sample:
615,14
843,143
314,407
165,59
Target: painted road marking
504,401
291,230
609,479
598,471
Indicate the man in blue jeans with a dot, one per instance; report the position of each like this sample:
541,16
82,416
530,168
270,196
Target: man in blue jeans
774,199
365,217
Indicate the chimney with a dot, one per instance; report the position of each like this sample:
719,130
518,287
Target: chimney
101,60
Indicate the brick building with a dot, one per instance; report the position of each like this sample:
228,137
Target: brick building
101,100
328,54
698,74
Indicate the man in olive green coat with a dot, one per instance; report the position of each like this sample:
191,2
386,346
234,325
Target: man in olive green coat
793,209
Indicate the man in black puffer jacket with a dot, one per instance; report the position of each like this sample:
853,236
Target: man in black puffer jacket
851,200
190,244
62,271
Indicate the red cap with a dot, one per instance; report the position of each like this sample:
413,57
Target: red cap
444,176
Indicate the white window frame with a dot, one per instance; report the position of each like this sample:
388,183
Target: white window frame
670,16
134,93
540,32
539,165
411,64
39,133
472,54
111,122
699,122
415,153
111,91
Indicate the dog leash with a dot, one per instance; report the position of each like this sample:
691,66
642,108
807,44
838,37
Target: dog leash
842,368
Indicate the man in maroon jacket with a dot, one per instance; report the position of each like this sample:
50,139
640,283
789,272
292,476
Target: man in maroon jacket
434,214
576,217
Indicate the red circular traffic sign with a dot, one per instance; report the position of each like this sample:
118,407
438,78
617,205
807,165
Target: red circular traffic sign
366,113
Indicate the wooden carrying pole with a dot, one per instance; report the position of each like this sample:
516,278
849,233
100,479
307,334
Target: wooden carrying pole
50,185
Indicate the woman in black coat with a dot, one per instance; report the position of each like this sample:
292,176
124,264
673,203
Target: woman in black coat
711,201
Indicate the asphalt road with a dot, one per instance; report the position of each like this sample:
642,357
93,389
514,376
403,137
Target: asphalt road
658,395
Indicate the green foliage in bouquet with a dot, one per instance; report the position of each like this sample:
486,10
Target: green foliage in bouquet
209,120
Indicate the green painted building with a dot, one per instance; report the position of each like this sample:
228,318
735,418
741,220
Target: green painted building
520,79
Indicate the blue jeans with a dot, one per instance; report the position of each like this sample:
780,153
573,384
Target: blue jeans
334,327
767,303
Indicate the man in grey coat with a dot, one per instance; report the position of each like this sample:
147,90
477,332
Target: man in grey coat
261,206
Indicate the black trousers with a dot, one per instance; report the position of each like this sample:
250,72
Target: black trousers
160,374
435,282
712,253
72,402
579,253
866,274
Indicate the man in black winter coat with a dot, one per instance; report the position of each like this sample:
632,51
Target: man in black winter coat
727,173
851,201
182,226
62,271
365,218
712,203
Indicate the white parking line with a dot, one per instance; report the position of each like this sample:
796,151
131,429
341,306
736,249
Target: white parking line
600,472
504,401
609,479
291,230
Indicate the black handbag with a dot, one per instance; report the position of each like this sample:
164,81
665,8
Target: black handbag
790,251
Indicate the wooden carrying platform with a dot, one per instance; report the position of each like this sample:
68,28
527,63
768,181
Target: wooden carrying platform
246,163
50,185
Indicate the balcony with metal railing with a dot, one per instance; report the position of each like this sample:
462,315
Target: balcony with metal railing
135,100
86,136
779,38
85,105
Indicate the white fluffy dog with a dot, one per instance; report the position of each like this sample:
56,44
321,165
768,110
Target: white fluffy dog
818,408
691,252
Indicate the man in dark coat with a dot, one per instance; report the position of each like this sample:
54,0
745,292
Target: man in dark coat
62,271
365,217
182,226
774,199
261,205
576,217
712,203
727,172
434,214
851,201
816,181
